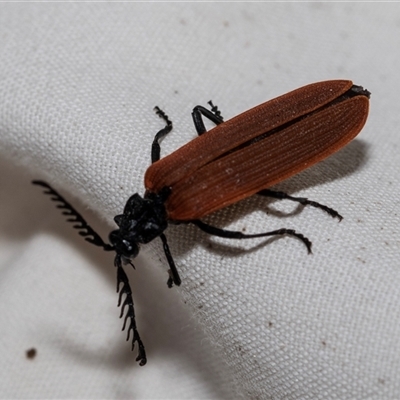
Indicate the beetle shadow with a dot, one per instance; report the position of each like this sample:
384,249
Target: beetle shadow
16,189
341,164
23,208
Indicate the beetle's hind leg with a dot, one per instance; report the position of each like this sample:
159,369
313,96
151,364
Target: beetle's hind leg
199,112
212,230
155,147
302,200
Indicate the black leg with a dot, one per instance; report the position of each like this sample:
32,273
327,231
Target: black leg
199,112
128,302
84,229
212,230
155,148
173,272
302,200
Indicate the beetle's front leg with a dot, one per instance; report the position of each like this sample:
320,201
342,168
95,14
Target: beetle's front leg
174,277
199,112
155,147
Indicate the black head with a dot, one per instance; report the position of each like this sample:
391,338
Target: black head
143,220
123,247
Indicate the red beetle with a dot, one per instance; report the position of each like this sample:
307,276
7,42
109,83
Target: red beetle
238,158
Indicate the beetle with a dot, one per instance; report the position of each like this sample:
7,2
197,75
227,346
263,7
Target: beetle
243,156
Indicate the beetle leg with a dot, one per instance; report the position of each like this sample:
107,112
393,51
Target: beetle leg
128,302
215,111
212,230
174,277
199,112
155,147
302,200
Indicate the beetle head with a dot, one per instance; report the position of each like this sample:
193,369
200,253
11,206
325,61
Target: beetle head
123,246
143,220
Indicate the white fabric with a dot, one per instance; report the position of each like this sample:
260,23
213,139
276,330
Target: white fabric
257,319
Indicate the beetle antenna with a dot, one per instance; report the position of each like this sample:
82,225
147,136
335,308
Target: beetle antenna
84,229
128,302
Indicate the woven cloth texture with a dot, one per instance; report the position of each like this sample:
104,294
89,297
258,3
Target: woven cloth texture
256,319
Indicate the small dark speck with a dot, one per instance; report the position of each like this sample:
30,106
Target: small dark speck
241,351
183,22
381,381
31,353
201,283
323,343
176,92
226,24
359,220
200,307
270,324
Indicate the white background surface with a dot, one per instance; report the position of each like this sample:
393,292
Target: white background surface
255,320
